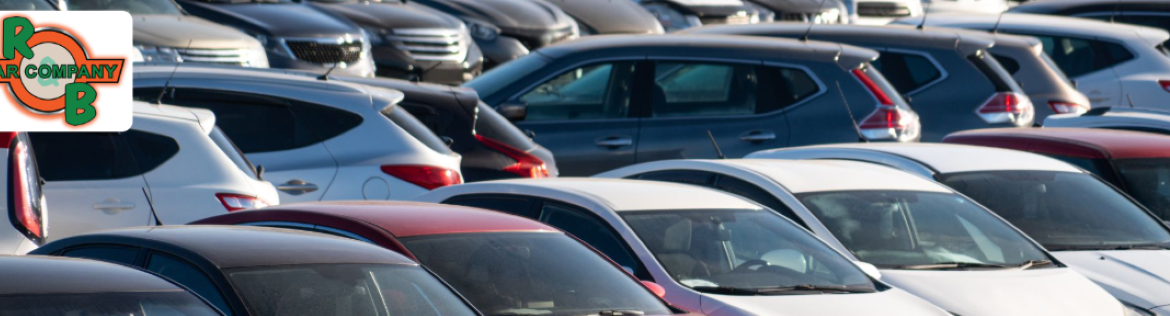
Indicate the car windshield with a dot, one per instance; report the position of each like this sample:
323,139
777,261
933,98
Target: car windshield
492,81
345,289
537,273
743,252
166,7
1062,210
169,303
229,148
1148,181
25,5
911,229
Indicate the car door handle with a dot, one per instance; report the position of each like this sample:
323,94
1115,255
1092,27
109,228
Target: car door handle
758,136
614,142
113,205
297,187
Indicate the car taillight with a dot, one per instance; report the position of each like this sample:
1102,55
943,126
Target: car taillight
1061,107
888,121
1007,107
526,165
428,177
235,202
877,92
1165,84
27,217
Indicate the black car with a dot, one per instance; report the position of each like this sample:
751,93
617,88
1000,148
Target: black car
952,81
411,41
1152,13
269,271
603,102
294,34
492,148
37,285
508,29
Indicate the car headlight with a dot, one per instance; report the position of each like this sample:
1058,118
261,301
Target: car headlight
482,30
671,19
832,16
159,54
1131,310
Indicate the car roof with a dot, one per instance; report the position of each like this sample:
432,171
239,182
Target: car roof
1106,143
242,246
787,48
1062,23
622,195
205,118
803,176
407,219
891,35
1047,6
60,275
949,158
285,78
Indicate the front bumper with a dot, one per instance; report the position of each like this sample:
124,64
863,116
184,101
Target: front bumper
392,62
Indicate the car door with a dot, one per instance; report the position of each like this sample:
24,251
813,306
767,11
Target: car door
585,115
91,183
739,103
1089,63
271,134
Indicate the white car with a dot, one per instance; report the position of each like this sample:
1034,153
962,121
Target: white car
926,238
172,167
1122,118
881,12
317,139
1111,63
23,201
1085,222
713,252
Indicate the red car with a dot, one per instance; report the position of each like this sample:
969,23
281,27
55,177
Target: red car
1136,162
503,264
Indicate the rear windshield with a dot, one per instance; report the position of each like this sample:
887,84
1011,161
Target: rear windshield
999,77
493,125
416,129
229,148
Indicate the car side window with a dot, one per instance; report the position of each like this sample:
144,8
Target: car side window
596,91
105,158
907,71
1078,56
150,150
592,231
188,275
759,195
703,89
702,178
514,205
115,254
325,121
255,123
1008,63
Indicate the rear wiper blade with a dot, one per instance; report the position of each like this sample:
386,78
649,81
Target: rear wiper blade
949,265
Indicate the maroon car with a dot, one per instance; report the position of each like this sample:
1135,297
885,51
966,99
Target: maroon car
503,264
1136,162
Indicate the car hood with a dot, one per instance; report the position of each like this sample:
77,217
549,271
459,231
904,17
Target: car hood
276,19
511,14
611,16
892,302
1039,292
184,31
392,14
1139,277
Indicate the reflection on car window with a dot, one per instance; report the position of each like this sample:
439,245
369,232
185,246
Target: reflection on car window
105,158
167,7
703,89
748,249
169,303
903,228
598,91
1077,56
1148,181
532,274
590,230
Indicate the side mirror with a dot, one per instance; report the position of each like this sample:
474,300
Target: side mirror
514,111
654,287
447,140
869,269
260,173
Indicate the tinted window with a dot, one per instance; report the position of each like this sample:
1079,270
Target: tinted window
150,150
165,303
781,87
1161,21
703,89
121,255
907,72
492,125
590,230
702,178
105,158
189,276
507,204
1077,56
758,195
1010,64
416,129
498,78
994,72
255,123
229,148
532,274
599,91
1148,181
326,122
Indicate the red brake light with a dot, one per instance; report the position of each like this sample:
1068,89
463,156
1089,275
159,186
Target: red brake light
877,92
888,122
28,218
428,177
1007,107
1062,107
527,165
235,202
1165,84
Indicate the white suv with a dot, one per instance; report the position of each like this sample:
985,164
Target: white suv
25,205
172,167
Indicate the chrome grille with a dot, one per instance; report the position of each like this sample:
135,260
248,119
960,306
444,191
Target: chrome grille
231,56
808,17
882,9
325,53
431,44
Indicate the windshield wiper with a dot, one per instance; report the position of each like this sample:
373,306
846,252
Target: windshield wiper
950,265
1034,263
784,289
1161,246
620,312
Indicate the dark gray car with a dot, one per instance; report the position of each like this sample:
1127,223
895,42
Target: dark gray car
596,17
953,83
508,29
607,101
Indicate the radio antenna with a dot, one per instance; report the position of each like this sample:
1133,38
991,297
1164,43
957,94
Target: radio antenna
1116,10
1130,100
849,111
808,31
167,85
325,77
925,12
995,28
718,152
